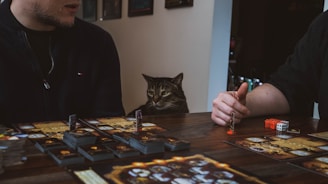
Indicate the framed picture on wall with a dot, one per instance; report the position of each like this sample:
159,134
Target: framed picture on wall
112,9
89,10
140,7
178,3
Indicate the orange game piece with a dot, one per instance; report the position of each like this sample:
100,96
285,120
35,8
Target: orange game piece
271,123
230,132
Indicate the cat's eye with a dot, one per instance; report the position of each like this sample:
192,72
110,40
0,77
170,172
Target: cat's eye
165,93
150,93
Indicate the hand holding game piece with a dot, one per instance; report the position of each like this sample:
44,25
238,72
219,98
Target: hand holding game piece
231,130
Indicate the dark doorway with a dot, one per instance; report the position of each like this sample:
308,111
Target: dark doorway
264,33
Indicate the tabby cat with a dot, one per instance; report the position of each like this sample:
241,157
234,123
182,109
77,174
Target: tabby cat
165,96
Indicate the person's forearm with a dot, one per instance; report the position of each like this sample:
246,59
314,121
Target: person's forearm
266,100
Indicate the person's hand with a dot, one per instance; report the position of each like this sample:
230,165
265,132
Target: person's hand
228,103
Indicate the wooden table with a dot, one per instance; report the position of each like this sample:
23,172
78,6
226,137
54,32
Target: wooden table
205,137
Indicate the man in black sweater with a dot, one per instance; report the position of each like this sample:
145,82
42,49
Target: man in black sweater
53,64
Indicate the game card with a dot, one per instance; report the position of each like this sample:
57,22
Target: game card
49,129
89,177
317,164
178,170
118,124
321,135
283,146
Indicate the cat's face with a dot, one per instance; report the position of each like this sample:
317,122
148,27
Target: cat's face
162,92
159,96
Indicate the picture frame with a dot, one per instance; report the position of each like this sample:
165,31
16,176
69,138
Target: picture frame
112,9
89,10
178,3
140,7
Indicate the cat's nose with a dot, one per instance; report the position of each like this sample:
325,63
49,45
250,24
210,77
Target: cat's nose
156,99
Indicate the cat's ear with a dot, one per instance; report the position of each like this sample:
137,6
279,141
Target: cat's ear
147,78
178,79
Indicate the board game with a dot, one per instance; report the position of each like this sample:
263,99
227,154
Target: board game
179,170
318,164
283,147
94,139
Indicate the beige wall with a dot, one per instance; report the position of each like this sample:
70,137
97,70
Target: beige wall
164,44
